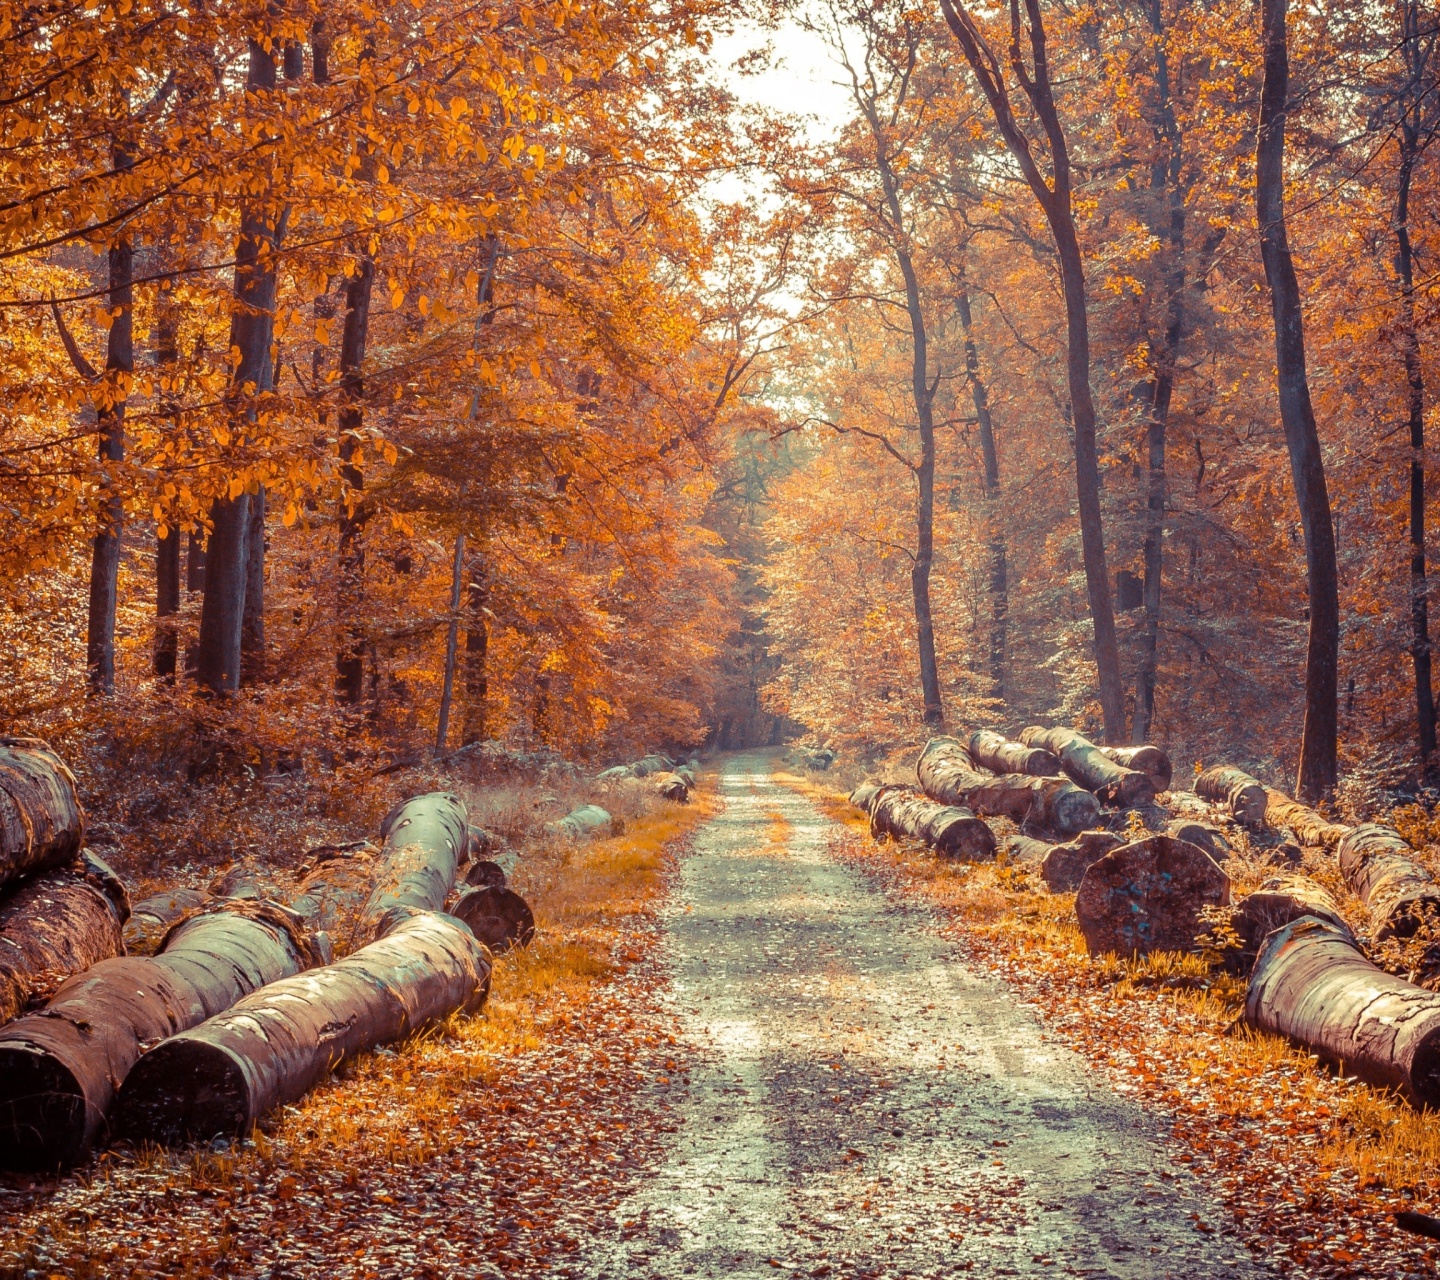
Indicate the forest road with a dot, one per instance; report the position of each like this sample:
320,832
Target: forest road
864,1105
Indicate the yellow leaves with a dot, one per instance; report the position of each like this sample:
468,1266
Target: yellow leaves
397,295
540,64
459,108
322,331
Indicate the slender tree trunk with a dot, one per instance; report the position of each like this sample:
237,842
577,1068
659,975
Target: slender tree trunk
350,661
452,634
1414,383
251,326
195,563
167,547
477,646
105,550
252,623
1317,771
999,584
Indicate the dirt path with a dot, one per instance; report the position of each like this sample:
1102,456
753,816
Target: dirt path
867,1106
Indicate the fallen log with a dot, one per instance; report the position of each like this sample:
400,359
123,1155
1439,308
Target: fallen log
948,775
587,822
1084,763
1151,761
41,822
498,916
1197,833
1147,896
1027,848
670,786
60,1068
1399,894
1064,865
1281,900
994,751
335,886
655,762
1236,790
1310,827
483,873
426,840
151,918
1152,817
273,1046
1312,985
864,795
55,924
952,831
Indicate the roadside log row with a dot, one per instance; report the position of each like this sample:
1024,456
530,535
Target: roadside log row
1398,893
1243,795
993,751
1312,985
55,924
1282,900
952,831
41,822
1147,896
948,775
60,1068
276,1044
426,840
1085,764
1151,761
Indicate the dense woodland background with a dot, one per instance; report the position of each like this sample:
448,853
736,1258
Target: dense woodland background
343,346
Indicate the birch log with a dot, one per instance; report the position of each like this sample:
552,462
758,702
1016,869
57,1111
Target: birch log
1087,765
997,753
1151,761
952,831
1237,790
60,1068
276,1044
948,775
1312,985
1378,865
58,923
41,822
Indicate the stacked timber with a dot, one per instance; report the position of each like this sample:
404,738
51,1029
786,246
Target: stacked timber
56,923
948,775
997,753
1085,764
1243,795
41,822
951,830
1312,985
1148,896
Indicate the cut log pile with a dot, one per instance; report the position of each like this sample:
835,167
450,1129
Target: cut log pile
668,778
951,830
948,774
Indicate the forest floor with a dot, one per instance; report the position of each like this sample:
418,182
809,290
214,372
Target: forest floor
750,1041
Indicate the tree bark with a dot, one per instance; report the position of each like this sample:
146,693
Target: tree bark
58,923
993,751
1310,828
952,831
1281,900
275,1045
252,620
452,635
1055,198
167,547
1245,797
995,532
60,1068
195,563
1312,985
1087,765
498,916
1147,896
41,822
1318,740
948,775
426,840
335,885
151,918
350,661
1151,761
1398,892
477,647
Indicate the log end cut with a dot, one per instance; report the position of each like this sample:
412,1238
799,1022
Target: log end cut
1147,896
498,917
1064,865
43,1123
184,1089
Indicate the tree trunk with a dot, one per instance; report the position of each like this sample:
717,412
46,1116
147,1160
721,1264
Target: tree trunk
1237,791
105,550
586,822
452,635
335,885
1147,896
864,795
350,661
252,621
477,645
1398,892
1281,900
1063,866
60,1068
1151,761
993,751
275,1045
41,822
995,532
58,923
195,563
1310,828
426,841
151,918
498,916
1416,53
251,328
948,775
952,831
167,547
1087,765
1312,985
1317,772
